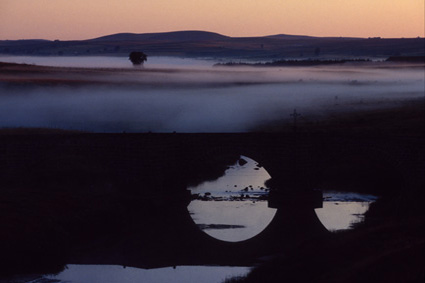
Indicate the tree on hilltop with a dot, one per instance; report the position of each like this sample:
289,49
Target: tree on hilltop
137,58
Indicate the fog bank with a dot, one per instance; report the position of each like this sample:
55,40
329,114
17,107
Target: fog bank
193,99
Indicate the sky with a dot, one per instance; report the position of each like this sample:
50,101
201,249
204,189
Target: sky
85,19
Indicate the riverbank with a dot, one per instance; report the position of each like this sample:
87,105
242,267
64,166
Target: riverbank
404,118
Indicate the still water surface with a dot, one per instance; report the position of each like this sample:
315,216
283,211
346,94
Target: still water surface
341,210
232,208
119,274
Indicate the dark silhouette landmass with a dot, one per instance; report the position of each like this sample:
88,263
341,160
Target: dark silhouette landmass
407,59
213,45
164,36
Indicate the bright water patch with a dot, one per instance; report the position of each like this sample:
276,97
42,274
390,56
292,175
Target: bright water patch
246,177
233,208
119,274
341,210
231,221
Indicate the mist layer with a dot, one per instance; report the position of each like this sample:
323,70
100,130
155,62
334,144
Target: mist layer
185,99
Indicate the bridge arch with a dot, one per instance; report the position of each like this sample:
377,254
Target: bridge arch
291,223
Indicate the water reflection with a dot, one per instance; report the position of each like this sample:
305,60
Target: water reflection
341,210
119,274
233,208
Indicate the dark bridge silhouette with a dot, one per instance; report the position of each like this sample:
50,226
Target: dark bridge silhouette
134,187
305,161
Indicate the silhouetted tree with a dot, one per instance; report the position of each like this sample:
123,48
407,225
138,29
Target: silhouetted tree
137,58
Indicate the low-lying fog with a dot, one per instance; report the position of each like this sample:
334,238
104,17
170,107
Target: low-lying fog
106,61
185,95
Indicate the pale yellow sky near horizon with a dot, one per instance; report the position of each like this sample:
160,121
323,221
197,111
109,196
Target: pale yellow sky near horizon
84,19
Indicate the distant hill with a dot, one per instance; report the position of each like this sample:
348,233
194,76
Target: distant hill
164,36
289,36
213,45
295,37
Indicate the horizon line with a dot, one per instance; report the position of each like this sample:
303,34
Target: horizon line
206,31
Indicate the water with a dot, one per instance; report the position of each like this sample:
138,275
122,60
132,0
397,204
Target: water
341,210
119,274
232,207
231,221
238,179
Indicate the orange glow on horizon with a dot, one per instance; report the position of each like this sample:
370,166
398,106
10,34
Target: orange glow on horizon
82,19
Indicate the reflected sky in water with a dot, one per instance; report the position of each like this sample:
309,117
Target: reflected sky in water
221,213
119,274
231,221
240,178
341,210
232,210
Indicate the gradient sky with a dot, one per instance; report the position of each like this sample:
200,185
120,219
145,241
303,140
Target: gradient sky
84,19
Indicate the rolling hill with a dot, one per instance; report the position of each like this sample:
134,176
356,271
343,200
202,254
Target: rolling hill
164,36
210,44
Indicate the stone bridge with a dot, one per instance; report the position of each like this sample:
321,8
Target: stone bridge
148,175
294,162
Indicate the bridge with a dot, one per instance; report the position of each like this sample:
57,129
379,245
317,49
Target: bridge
128,191
172,160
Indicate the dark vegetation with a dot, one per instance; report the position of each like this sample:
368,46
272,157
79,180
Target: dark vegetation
407,59
294,63
320,62
405,119
137,58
